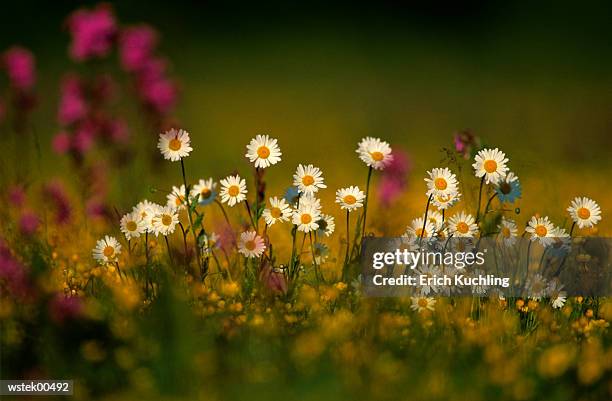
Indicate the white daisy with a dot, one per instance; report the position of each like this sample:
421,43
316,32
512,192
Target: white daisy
421,304
556,294
308,179
350,198
415,229
306,217
326,224
441,182
174,144
585,212
263,151
165,220
146,210
463,225
537,287
233,190
251,245
310,200
507,231
443,202
428,272
278,211
205,190
107,250
374,152
490,163
176,198
132,225
541,229
435,218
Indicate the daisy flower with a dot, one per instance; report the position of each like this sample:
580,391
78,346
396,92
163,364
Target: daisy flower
174,144
326,224
279,210
107,250
306,217
350,198
374,152
491,164
421,304
132,225
537,287
561,242
233,190
507,231
310,200
176,198
443,202
441,182
165,220
585,212
205,190
556,294
435,218
541,229
146,210
428,272
308,179
251,245
263,151
463,225
415,229
509,188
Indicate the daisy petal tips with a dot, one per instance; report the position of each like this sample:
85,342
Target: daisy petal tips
374,153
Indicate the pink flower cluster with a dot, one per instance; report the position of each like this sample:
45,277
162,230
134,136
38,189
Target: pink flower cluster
20,68
13,275
137,46
28,221
393,181
84,118
93,32
466,143
56,194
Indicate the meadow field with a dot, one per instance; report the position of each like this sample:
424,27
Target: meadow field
185,190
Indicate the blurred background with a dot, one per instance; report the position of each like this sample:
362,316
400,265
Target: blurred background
532,79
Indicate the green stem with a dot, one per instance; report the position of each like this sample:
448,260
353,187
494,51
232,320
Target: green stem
479,197
195,237
425,219
365,204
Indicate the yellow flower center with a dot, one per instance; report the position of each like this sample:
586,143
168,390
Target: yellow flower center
308,180
440,183
275,212
490,166
422,302
377,156
205,193
179,200
131,225
506,232
250,245
443,199
419,231
462,227
541,231
263,152
108,251
166,219
175,144
350,199
306,219
583,213
234,190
